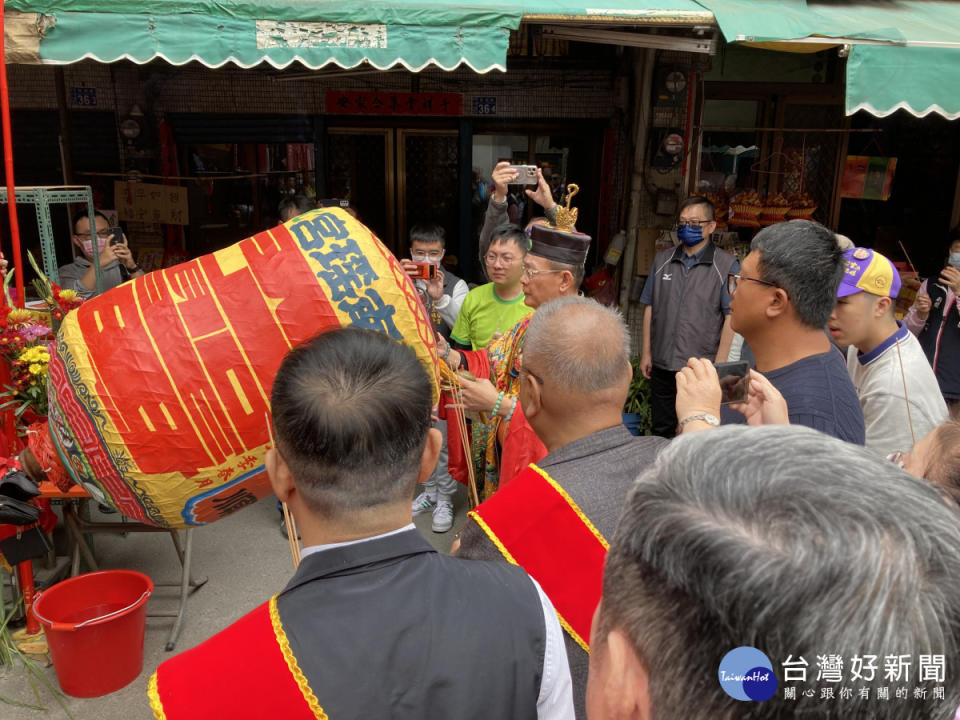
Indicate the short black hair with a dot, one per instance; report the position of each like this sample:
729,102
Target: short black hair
708,208
802,257
351,412
428,233
298,203
83,216
509,232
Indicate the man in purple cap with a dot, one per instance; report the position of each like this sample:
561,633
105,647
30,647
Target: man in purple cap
898,391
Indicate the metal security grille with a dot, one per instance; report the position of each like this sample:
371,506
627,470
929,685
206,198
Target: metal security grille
430,176
810,158
356,171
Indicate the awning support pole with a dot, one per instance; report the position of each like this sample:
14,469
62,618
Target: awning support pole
8,164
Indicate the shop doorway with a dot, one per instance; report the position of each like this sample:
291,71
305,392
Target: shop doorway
395,178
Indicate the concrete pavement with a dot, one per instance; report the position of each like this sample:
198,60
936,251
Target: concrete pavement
246,560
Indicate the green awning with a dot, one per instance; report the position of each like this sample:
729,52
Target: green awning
904,55
315,33
215,41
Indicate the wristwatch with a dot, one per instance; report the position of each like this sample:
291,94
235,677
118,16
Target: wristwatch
708,418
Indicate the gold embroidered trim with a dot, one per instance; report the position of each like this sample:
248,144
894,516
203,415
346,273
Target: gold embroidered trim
153,693
509,558
573,506
292,664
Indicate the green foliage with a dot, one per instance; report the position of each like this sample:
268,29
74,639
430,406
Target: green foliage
638,398
11,655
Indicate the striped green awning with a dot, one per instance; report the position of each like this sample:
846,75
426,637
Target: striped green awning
314,33
903,55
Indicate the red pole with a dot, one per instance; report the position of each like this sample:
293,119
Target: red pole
8,164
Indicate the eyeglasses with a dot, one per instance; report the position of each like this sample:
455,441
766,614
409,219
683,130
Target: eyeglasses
530,273
691,223
492,259
733,280
426,254
102,234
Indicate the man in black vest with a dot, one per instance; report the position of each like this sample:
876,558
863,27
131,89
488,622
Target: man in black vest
442,297
687,310
375,623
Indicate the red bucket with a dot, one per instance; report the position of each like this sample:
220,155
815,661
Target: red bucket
94,625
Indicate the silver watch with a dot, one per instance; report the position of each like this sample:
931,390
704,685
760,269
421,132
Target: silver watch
708,418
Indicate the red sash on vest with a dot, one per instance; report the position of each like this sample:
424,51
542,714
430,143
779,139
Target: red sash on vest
536,525
245,671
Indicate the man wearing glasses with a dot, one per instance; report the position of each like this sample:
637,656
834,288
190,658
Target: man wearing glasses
552,268
492,309
782,300
116,262
443,297
687,308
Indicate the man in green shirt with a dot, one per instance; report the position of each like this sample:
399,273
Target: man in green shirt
492,309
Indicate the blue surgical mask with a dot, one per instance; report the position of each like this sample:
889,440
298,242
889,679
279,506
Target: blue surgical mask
690,235
954,260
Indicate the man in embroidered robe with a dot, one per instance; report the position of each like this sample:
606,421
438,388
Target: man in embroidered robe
504,443
374,623
553,518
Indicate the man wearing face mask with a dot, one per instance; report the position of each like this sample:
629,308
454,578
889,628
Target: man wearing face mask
442,297
687,308
117,265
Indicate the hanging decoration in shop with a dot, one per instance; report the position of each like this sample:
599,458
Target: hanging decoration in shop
159,388
377,102
868,177
151,202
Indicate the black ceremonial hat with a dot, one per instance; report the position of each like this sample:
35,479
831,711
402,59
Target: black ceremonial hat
565,246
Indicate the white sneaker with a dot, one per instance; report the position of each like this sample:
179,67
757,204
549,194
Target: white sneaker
423,503
443,516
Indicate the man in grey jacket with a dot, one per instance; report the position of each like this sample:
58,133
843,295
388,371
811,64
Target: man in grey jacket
497,213
687,311
553,517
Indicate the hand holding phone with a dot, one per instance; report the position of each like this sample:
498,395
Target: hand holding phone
420,270
526,174
116,236
733,381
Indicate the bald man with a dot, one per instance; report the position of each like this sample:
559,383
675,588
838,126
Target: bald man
554,517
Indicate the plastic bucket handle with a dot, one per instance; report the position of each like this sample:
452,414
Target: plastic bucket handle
68,626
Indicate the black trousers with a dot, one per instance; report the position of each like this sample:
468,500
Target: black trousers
663,402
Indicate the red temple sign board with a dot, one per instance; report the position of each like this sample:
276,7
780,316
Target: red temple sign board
374,102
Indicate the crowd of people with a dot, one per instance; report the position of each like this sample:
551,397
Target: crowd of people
814,522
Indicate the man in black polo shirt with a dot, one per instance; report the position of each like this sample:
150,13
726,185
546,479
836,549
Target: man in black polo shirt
687,308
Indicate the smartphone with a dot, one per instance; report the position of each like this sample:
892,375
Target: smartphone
420,270
733,381
526,174
333,203
116,236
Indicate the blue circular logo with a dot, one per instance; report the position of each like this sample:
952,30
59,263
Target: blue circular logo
747,674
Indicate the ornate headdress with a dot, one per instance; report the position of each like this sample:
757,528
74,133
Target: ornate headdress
561,242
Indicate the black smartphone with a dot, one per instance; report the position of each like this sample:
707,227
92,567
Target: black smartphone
116,236
333,203
733,381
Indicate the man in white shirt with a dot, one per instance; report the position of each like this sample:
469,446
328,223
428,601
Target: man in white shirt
898,391
375,623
